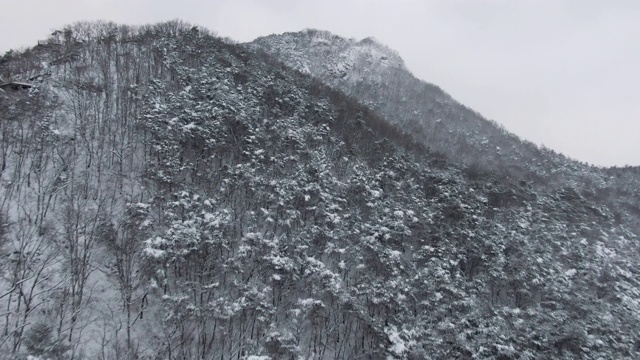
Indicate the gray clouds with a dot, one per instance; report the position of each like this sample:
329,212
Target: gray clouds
559,72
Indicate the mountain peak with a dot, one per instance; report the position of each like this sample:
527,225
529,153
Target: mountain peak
348,59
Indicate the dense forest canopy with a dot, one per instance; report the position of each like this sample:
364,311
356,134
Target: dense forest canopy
168,194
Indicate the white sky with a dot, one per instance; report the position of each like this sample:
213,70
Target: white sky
557,72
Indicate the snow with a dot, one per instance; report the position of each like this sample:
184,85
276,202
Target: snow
258,357
309,302
399,346
252,236
213,219
190,126
152,247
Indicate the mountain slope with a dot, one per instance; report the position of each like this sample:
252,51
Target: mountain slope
376,76
167,194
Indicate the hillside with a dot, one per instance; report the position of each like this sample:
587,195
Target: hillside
167,194
376,76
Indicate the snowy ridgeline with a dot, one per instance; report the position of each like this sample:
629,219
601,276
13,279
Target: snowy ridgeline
319,52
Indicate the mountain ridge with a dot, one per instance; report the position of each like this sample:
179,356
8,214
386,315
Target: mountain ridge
433,118
297,50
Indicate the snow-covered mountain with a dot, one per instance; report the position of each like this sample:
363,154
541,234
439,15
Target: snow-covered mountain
329,56
375,75
167,194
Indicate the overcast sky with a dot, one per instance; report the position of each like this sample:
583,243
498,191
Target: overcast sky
561,73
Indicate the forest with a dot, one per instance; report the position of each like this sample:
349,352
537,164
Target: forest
170,194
